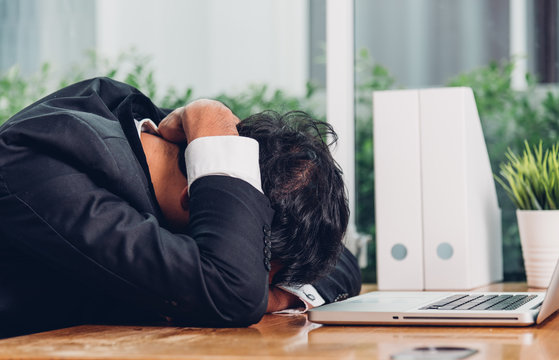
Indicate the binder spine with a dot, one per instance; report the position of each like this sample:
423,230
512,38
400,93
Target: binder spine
398,190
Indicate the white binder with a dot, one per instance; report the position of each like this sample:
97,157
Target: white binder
459,235
398,206
461,215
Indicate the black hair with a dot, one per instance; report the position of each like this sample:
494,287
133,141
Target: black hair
306,190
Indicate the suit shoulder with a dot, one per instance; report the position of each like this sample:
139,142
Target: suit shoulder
95,95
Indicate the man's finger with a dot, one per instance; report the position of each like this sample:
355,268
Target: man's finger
171,128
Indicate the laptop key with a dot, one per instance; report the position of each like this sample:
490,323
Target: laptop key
475,302
458,303
487,304
513,303
508,302
518,304
443,302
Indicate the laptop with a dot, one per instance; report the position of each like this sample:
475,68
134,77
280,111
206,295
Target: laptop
443,308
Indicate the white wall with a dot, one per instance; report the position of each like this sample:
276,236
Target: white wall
425,43
212,45
33,32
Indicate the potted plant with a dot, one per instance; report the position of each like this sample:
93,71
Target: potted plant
531,180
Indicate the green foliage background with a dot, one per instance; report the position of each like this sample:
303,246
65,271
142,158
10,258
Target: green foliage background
508,118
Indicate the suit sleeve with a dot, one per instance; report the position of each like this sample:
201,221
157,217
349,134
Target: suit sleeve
343,281
57,206
199,279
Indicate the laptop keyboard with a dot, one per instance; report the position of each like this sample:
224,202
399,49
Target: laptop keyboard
480,302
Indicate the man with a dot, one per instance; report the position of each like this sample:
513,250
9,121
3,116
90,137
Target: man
99,224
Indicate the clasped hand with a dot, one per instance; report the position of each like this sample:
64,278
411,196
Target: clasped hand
198,119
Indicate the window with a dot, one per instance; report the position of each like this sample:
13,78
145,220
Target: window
258,54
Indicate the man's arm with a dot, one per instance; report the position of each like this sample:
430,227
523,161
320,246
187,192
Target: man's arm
53,208
214,147
342,282
70,222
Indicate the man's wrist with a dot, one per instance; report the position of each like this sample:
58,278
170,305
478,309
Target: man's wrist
279,299
307,294
234,156
229,130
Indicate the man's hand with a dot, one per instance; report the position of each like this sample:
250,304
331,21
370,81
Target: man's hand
279,299
198,119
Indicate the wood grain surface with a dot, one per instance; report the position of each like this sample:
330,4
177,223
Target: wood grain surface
284,337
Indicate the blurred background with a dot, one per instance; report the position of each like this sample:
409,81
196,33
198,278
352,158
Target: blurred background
271,54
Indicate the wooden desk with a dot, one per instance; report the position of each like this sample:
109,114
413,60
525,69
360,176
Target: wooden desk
283,337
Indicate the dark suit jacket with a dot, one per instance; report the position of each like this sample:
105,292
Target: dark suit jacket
82,238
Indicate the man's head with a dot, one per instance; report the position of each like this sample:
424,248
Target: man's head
306,190
299,176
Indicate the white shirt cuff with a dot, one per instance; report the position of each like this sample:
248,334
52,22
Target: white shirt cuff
307,294
234,156
146,125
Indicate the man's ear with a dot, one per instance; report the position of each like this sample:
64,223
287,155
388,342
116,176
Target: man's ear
184,198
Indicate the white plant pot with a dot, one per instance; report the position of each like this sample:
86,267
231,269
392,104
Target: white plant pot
539,237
